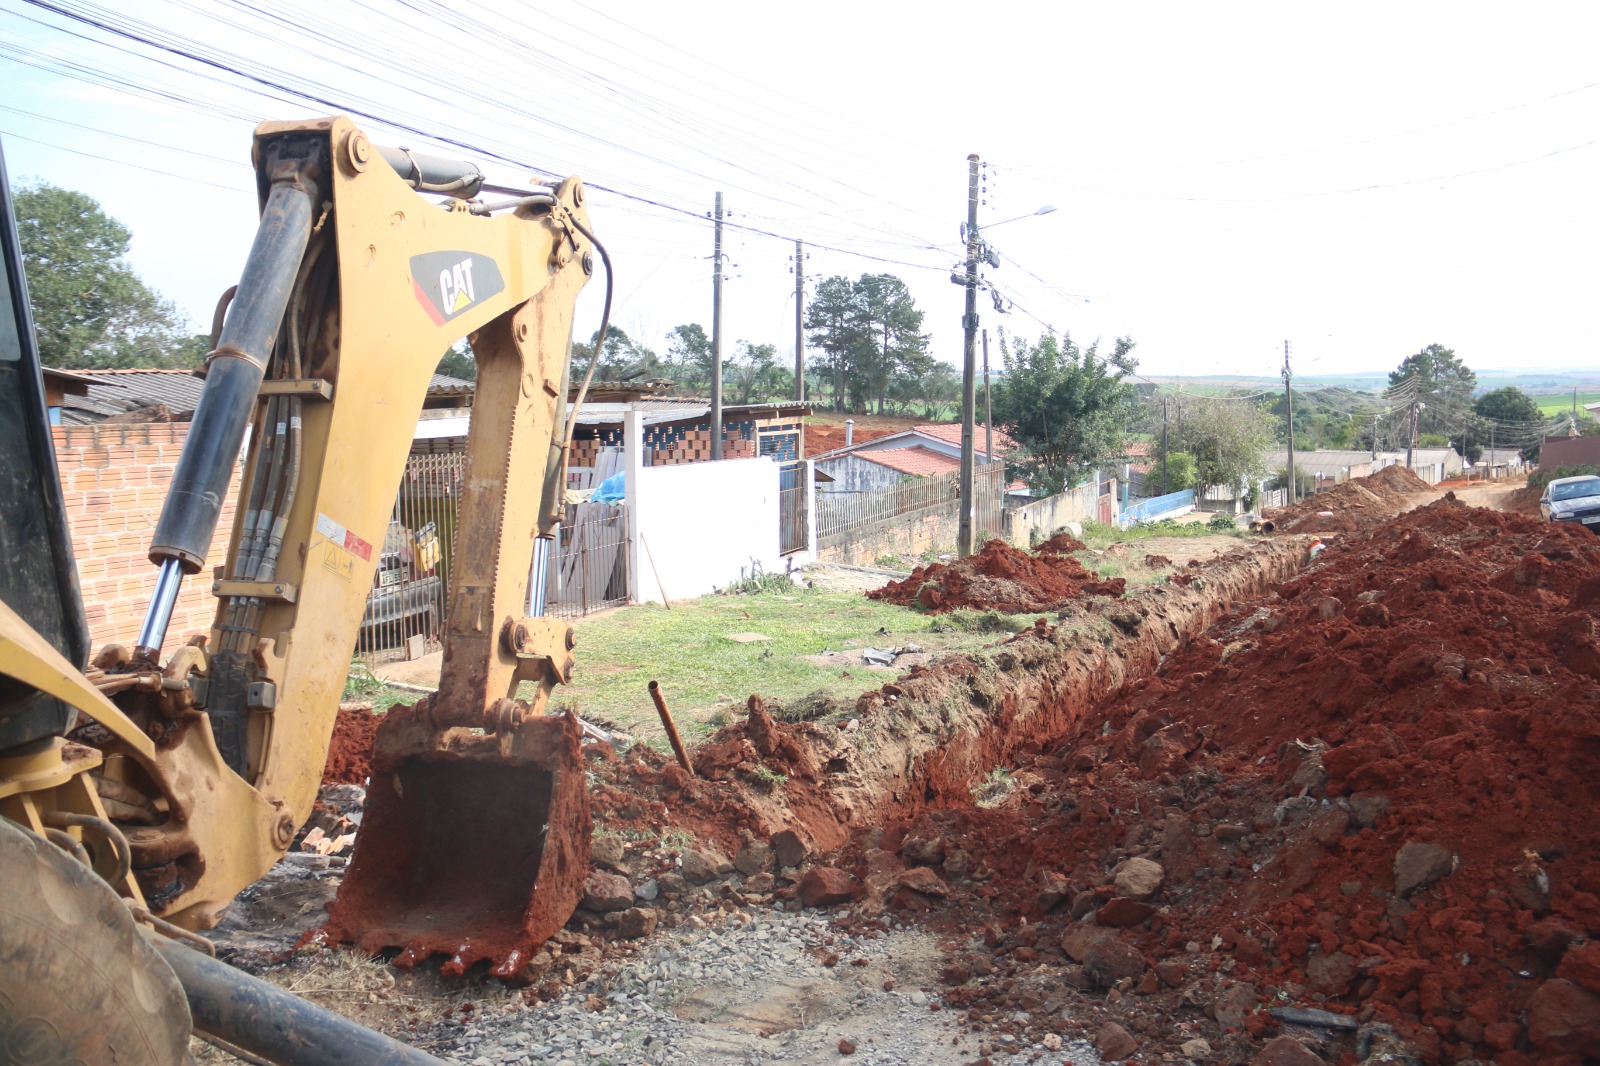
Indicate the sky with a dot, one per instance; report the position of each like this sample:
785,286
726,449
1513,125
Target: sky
1360,180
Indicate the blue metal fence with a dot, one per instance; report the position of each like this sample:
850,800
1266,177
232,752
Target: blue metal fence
1156,507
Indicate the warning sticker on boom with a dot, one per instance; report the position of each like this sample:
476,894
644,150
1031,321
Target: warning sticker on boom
344,538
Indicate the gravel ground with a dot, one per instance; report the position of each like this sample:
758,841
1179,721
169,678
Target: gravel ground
760,989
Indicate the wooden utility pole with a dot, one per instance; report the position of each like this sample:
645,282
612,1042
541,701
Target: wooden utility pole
988,411
1411,432
969,323
799,322
716,337
1163,445
1288,401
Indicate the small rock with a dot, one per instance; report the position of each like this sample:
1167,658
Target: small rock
1418,865
701,865
637,923
1331,973
1053,888
1367,808
1114,1043
1230,832
1231,1006
1195,1049
923,851
1123,913
1285,1051
1110,960
824,886
1139,878
752,858
1051,1042
1564,1018
919,999
606,850
648,891
789,848
957,864
1581,966
847,1046
604,892
923,879
672,884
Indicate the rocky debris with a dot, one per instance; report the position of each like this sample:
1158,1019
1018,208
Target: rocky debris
604,892
1286,1051
824,886
1564,1018
1114,1043
923,879
1138,879
1361,503
789,849
701,865
1416,866
636,923
607,850
752,858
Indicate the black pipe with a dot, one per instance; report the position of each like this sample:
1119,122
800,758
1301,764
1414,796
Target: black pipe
434,173
265,1020
235,369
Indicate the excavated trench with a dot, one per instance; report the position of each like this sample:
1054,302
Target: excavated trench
930,737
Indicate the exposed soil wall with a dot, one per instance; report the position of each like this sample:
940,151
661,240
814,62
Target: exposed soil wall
1001,578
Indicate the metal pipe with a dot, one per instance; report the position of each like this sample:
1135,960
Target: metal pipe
538,577
119,843
267,1021
169,579
188,519
434,173
671,727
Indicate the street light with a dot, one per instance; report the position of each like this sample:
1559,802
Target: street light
977,252
1045,210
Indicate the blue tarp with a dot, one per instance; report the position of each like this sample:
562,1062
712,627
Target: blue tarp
611,489
1156,507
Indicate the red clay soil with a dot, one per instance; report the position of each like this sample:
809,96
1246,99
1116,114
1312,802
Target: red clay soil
821,437
350,749
1358,504
1001,578
1377,792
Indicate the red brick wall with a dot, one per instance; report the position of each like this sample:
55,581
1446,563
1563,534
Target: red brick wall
114,478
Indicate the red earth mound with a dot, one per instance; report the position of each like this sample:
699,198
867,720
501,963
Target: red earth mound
1358,504
1376,793
350,748
1001,578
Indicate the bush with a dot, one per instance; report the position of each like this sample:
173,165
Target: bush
1541,477
1222,523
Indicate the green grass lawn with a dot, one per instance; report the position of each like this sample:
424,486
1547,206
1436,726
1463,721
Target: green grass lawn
706,676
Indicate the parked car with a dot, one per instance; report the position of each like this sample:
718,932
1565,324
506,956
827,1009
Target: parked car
1572,499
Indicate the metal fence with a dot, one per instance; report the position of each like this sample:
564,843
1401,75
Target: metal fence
1156,506
792,517
405,613
591,566
842,514
405,609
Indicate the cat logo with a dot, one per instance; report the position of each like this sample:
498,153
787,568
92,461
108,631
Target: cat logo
448,283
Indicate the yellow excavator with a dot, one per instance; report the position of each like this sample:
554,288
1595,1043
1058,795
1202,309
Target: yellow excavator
142,787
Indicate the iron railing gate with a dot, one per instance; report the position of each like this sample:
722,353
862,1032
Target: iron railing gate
793,520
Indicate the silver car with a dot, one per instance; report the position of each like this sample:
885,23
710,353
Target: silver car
1572,499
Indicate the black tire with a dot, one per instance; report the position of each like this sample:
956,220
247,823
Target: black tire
78,983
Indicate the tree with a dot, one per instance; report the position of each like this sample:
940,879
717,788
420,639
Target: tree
689,354
459,362
755,374
1065,407
1514,417
1180,472
623,359
89,307
869,332
1228,439
1444,387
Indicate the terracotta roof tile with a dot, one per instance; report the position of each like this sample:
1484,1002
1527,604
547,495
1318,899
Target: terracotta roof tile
917,461
950,432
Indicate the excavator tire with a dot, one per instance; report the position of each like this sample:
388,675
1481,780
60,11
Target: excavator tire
78,982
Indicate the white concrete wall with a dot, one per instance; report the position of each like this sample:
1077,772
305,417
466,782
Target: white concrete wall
695,525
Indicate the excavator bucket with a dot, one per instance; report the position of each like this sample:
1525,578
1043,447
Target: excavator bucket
472,845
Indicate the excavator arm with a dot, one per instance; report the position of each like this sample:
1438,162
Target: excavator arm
210,758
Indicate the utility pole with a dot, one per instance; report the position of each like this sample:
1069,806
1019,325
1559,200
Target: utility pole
988,412
1411,432
1374,436
716,337
1163,445
969,323
799,322
1288,401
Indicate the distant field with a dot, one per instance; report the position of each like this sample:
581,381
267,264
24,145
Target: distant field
1555,405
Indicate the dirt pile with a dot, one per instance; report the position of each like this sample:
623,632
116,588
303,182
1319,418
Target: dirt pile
1358,504
350,748
1377,793
1001,578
